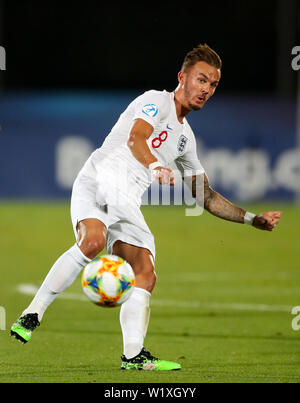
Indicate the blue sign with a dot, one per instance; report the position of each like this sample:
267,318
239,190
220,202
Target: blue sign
246,145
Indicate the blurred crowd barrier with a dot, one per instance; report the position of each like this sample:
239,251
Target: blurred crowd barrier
247,145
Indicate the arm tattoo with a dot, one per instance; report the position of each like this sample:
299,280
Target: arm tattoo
216,204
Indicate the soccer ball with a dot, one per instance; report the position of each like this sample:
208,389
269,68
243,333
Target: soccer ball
108,280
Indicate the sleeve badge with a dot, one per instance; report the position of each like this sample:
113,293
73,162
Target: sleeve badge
150,110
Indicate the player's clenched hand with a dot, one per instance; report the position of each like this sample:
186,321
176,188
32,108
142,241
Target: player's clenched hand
164,176
267,221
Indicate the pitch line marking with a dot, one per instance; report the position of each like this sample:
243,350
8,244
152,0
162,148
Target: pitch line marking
31,289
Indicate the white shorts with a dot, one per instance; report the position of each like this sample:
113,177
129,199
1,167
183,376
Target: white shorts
125,223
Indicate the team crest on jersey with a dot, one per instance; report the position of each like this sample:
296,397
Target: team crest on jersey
150,110
182,142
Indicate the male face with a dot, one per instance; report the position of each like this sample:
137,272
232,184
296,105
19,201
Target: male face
199,83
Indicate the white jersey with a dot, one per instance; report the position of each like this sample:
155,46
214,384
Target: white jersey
171,141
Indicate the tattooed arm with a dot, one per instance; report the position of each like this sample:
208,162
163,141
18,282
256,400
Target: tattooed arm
223,208
215,203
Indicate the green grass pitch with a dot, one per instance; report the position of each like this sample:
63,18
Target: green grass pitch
221,306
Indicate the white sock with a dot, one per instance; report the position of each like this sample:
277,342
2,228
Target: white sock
134,319
61,276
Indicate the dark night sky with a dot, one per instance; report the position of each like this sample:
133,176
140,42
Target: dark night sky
138,45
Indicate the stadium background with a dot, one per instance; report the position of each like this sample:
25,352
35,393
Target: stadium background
71,69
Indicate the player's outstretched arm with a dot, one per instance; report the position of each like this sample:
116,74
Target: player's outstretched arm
217,205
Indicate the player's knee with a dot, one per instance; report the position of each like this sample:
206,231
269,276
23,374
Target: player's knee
153,278
91,247
145,276
149,280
